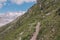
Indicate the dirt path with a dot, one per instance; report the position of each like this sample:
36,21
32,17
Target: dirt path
37,31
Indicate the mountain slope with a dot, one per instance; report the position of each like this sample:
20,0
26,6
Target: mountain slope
46,12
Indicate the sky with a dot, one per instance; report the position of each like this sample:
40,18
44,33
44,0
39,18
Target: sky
15,5
11,9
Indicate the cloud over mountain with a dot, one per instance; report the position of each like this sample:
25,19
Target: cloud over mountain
9,16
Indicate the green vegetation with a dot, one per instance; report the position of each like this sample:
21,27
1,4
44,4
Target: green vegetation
24,26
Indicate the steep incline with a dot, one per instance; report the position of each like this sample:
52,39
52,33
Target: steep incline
47,12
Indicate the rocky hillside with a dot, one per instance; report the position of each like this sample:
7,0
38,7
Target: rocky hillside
40,22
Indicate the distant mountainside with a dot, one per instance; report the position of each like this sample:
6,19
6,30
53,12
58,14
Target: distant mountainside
40,22
9,17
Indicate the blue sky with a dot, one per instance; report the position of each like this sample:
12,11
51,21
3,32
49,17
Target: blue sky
15,5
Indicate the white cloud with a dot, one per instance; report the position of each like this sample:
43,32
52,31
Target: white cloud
15,13
21,1
9,16
2,3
